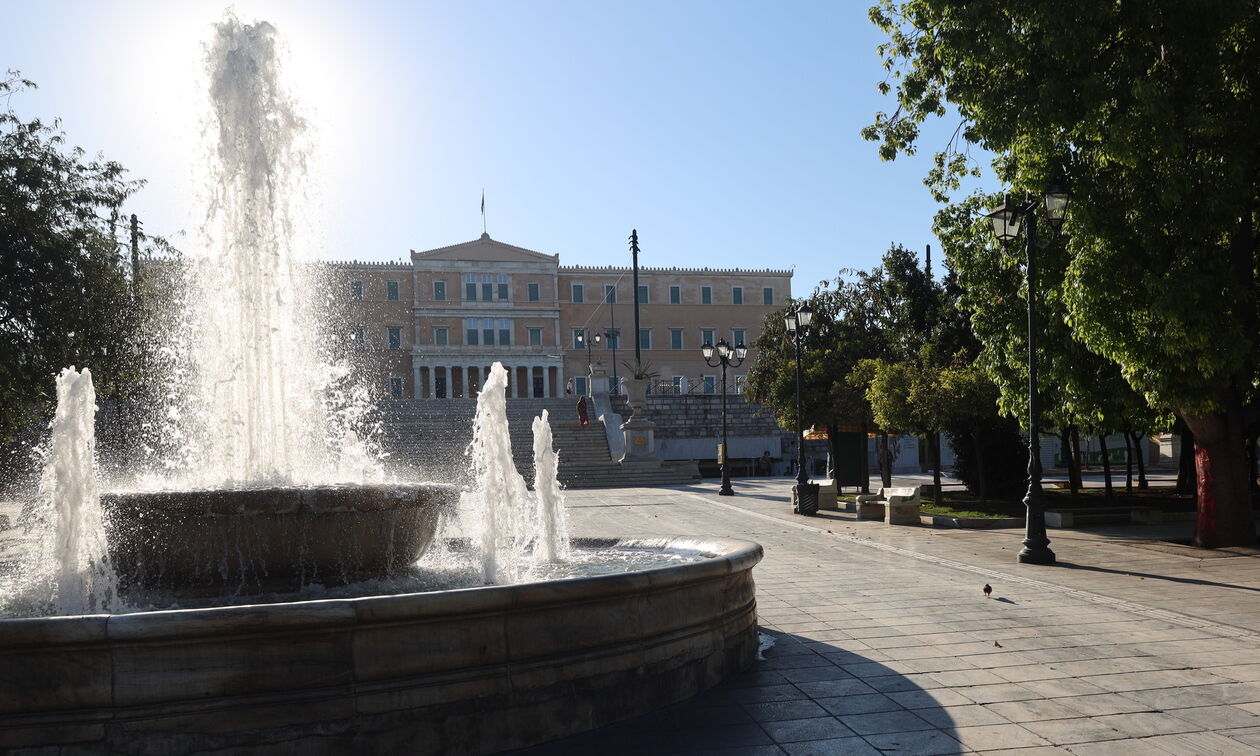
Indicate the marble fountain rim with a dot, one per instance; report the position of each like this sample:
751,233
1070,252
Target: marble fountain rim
721,557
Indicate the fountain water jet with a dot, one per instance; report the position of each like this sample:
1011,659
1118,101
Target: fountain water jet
474,670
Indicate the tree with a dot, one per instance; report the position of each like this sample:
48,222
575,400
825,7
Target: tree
1150,110
64,292
842,333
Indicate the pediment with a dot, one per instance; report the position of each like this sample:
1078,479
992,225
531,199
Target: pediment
485,249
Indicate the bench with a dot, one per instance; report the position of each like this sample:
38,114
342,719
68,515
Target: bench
895,506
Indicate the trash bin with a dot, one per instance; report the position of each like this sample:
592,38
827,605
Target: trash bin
805,498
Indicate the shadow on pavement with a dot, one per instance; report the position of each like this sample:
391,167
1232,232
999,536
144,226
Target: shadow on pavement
1153,576
805,697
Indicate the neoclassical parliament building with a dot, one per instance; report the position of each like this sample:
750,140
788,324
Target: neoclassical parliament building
434,326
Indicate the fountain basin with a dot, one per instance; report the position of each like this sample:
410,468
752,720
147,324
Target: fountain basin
271,538
475,670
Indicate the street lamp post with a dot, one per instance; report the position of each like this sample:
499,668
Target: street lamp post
1007,220
733,357
806,493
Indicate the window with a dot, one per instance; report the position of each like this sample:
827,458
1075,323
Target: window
503,288
441,337
487,287
707,336
535,337
358,337
767,295
391,291
645,338
579,338
737,337
470,287
393,338
675,338
706,295
643,293
396,388
471,334
675,295
505,332
679,386
533,292
610,293
439,291
356,290
614,339
576,295
709,384
487,332
579,385
614,384
737,295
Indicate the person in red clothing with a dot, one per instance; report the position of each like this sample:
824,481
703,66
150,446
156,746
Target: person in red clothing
582,413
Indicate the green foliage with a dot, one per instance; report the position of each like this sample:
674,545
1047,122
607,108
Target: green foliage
1005,458
640,370
1149,109
64,295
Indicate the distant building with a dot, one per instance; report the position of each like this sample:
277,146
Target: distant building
437,324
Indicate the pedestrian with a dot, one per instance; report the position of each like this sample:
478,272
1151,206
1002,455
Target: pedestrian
763,464
583,417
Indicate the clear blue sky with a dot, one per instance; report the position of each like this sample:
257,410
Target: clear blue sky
725,132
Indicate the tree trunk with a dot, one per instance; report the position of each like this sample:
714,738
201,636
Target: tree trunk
1141,460
1128,462
833,440
1253,460
865,465
1065,453
1074,463
1187,472
1076,456
885,460
1223,497
1102,443
982,475
934,443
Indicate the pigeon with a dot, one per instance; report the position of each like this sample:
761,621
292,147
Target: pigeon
987,590
999,645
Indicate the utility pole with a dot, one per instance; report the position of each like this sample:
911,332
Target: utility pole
135,258
634,256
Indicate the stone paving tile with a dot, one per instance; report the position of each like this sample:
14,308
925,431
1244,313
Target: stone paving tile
776,711
1079,730
885,721
1035,710
1218,717
1146,723
916,668
1034,751
929,699
917,743
847,746
1123,747
991,737
844,706
1199,744
796,730
966,715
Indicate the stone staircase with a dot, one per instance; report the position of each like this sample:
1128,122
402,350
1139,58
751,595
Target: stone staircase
428,438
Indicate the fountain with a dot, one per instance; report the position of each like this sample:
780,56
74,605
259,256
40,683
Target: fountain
266,594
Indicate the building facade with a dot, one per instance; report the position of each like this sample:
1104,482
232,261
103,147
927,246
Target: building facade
434,326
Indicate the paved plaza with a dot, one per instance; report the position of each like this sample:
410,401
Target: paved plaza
884,642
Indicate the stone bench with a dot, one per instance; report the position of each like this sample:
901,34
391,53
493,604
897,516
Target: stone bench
895,506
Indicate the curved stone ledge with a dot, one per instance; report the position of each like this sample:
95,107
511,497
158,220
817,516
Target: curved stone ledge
465,671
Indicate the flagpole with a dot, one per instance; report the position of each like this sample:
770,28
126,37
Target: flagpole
483,212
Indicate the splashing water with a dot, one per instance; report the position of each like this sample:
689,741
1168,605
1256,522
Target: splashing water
83,580
553,540
499,496
257,411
